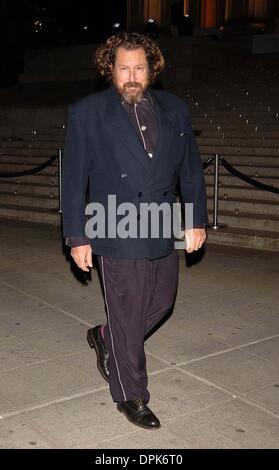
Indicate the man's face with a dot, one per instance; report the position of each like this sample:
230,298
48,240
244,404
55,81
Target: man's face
131,74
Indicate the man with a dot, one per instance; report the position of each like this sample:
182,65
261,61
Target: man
130,143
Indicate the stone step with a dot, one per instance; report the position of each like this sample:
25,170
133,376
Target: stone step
238,126
248,192
29,138
203,115
237,93
58,76
257,169
44,189
38,178
7,167
266,104
241,129
32,200
21,131
232,134
235,150
229,114
238,142
267,99
254,171
237,205
44,137
24,159
248,160
238,87
29,214
247,220
218,107
47,144
45,152
242,119
246,238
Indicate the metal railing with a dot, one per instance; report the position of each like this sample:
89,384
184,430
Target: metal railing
58,155
217,161
221,160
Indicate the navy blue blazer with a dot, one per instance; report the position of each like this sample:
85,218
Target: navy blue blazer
104,154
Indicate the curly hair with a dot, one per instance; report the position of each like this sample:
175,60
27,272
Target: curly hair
106,53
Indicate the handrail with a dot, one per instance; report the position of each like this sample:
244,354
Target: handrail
36,169
238,174
40,168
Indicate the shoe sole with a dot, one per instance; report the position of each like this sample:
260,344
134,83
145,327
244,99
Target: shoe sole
152,428
93,345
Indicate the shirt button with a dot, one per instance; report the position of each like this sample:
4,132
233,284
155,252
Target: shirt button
140,194
143,128
150,155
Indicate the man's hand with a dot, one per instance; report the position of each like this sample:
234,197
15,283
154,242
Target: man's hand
194,239
82,256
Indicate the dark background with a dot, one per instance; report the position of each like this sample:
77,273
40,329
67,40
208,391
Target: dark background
40,24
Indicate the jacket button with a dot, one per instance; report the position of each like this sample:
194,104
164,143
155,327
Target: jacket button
165,193
140,194
138,216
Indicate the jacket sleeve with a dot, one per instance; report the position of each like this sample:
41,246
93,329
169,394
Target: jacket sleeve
192,181
75,171
77,241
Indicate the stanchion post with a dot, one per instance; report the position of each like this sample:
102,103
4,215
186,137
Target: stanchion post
216,188
60,153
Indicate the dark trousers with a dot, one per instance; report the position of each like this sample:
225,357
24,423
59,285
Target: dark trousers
138,294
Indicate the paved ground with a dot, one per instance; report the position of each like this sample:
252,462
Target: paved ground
213,367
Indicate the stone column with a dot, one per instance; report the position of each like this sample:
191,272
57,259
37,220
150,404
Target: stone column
135,15
238,9
138,12
261,9
160,11
194,9
220,12
166,16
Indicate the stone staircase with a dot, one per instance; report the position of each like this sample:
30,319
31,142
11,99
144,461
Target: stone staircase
236,114
30,197
251,215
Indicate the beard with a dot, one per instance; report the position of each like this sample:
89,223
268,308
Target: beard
131,92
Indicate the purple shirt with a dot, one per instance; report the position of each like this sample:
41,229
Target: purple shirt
144,120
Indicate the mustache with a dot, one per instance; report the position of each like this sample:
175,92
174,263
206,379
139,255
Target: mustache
132,85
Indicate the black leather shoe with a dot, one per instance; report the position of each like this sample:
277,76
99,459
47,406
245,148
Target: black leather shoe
138,413
96,341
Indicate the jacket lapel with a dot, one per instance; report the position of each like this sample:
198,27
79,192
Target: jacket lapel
164,125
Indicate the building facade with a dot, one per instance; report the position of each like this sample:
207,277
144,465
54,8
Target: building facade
204,13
